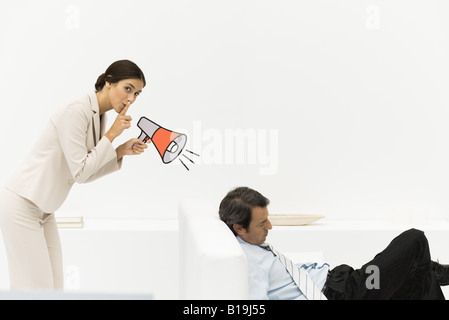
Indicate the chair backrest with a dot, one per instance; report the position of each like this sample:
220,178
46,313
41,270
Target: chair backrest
212,263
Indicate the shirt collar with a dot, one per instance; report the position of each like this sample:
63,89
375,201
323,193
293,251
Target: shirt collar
263,245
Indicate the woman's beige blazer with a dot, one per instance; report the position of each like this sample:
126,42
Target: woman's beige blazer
72,148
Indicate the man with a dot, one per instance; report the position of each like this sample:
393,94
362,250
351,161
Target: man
405,265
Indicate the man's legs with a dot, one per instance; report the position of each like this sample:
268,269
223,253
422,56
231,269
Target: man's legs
404,273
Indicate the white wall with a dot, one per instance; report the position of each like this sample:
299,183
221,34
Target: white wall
342,106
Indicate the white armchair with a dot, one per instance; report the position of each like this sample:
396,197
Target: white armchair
212,263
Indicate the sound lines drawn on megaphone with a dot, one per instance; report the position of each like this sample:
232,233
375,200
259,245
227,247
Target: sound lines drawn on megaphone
168,143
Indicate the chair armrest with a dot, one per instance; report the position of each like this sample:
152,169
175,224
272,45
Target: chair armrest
212,263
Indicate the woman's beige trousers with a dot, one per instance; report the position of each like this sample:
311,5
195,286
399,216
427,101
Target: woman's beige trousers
32,244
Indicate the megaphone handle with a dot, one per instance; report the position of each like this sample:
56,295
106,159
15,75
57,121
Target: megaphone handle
144,137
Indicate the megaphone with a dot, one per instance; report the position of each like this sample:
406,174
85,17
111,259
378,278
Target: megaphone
168,143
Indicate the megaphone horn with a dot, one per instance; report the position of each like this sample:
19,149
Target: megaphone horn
168,143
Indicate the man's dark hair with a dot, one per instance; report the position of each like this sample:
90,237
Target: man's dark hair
236,207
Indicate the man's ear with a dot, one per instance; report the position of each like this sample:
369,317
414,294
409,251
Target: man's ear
238,229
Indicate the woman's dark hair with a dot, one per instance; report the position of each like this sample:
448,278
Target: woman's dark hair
119,70
237,206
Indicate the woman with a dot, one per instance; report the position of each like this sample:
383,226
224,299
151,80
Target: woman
73,148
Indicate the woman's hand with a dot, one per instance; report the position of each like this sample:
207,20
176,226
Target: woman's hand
132,147
121,123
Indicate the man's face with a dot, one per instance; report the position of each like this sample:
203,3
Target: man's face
257,231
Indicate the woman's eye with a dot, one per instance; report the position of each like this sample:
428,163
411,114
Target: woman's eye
136,94
128,89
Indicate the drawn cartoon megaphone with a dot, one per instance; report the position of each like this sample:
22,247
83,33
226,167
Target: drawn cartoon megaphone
168,143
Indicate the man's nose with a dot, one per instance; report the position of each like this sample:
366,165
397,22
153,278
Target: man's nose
269,225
